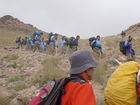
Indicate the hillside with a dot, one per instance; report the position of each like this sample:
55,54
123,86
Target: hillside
133,30
13,24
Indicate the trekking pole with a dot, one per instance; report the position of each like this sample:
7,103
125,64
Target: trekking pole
118,62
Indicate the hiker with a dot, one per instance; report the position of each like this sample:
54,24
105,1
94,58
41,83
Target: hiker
70,42
19,42
25,43
37,41
53,44
72,90
129,49
74,43
123,87
22,43
52,41
97,45
63,45
67,41
126,49
49,36
31,42
82,66
47,43
42,45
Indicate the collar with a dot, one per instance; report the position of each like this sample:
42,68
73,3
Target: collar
84,77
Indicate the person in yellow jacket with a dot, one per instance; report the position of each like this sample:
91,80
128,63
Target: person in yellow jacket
121,87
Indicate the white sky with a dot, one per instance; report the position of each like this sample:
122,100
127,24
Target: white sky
75,17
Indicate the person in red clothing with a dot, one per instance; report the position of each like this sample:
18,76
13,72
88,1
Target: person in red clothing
80,93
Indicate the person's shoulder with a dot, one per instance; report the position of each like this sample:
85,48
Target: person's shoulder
81,83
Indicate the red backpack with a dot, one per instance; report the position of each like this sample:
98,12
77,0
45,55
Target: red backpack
52,91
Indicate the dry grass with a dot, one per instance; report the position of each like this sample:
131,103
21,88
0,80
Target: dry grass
15,78
100,72
6,100
137,46
50,71
9,58
20,85
7,38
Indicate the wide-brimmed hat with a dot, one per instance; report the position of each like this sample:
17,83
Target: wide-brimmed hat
81,61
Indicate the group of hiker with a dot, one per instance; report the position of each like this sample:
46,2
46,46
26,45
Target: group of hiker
39,42
126,47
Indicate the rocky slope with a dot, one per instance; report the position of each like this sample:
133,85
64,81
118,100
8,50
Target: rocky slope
133,30
10,23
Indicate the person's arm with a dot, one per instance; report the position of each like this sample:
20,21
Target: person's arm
84,95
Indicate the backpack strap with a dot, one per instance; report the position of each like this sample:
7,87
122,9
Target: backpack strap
138,87
77,78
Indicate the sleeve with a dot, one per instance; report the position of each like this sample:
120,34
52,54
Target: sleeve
84,95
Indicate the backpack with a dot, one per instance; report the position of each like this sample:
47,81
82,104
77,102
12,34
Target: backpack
123,48
17,40
52,91
91,40
67,41
71,41
37,33
49,37
75,42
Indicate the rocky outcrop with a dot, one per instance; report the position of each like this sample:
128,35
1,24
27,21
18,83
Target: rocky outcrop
10,23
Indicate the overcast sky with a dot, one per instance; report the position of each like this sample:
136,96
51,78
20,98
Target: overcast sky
75,17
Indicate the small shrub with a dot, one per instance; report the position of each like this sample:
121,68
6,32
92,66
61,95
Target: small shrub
14,65
23,100
20,85
10,57
100,72
50,71
15,78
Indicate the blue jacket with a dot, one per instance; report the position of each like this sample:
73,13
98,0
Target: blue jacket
129,49
62,43
42,45
96,43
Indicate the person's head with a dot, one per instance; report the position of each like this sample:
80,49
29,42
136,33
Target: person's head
78,37
130,38
82,63
98,37
41,33
63,38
